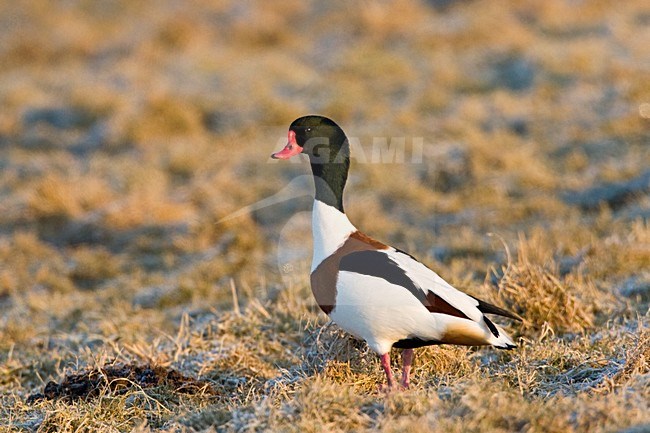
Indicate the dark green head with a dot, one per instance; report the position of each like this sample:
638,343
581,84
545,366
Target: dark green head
327,147
321,139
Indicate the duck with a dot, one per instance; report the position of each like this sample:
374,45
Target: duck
373,291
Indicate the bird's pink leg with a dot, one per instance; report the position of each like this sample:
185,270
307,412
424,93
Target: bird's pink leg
385,363
407,359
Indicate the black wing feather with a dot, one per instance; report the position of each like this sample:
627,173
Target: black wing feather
378,264
488,308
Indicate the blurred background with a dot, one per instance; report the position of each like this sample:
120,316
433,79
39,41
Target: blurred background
128,130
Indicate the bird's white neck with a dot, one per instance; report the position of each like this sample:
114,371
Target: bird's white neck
331,228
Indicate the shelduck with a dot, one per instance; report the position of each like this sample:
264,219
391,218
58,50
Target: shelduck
373,291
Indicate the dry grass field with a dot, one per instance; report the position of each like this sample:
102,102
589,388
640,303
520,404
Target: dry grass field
129,131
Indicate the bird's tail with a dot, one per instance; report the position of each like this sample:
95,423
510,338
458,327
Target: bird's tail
503,341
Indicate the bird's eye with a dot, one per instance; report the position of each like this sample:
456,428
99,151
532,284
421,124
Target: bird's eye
307,129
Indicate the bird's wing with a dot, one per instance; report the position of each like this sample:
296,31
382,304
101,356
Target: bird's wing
435,287
399,268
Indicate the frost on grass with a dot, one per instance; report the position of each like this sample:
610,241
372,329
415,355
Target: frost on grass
545,299
127,133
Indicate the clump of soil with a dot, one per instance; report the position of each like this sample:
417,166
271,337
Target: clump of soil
119,379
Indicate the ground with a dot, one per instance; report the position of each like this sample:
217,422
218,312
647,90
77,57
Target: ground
137,260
